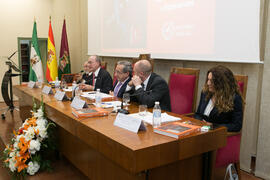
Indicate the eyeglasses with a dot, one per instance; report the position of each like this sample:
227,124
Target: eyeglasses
118,72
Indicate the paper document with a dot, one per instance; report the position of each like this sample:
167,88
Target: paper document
109,104
91,95
148,118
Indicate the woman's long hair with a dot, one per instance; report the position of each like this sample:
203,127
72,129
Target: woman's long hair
225,88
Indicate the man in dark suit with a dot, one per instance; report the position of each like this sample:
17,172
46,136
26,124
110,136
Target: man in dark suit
147,87
123,74
99,78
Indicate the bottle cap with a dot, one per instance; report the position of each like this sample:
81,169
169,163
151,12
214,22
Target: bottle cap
157,102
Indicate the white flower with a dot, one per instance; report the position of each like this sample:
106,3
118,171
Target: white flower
12,154
34,146
42,122
16,145
32,167
39,113
29,133
18,154
11,164
18,138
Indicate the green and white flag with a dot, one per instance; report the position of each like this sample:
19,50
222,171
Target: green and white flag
36,70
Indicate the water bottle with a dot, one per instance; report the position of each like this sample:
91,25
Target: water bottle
98,98
56,84
156,115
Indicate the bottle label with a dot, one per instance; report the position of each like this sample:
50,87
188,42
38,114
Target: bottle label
157,113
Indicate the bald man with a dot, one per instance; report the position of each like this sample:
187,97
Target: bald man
148,87
99,78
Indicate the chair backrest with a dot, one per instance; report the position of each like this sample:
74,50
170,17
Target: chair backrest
146,57
69,78
103,65
242,81
183,86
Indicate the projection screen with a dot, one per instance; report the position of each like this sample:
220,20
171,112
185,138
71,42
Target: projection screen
205,30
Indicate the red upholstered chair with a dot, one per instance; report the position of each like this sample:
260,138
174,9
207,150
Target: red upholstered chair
104,65
231,152
114,77
183,86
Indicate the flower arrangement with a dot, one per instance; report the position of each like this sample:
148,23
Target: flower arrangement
31,145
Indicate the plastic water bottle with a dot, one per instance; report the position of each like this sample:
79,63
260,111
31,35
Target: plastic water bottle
156,115
98,98
56,84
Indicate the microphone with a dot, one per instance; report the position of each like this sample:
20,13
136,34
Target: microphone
11,63
124,111
12,55
73,91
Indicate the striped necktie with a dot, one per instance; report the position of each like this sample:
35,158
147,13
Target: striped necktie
116,89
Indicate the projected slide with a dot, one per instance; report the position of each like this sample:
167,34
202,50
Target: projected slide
210,30
182,26
170,26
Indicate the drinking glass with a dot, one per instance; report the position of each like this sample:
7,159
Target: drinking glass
39,83
142,110
126,99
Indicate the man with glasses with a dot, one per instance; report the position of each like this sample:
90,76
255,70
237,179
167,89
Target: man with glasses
123,73
86,74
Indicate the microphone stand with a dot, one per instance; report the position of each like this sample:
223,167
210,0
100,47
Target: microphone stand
124,111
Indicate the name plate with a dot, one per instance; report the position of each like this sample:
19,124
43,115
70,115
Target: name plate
129,123
32,84
78,103
60,95
47,90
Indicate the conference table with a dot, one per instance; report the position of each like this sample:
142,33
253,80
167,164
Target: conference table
101,150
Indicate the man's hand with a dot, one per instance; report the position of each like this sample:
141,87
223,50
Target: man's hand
78,77
86,87
111,93
136,80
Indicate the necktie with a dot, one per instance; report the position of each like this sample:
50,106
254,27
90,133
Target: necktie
93,83
116,89
143,86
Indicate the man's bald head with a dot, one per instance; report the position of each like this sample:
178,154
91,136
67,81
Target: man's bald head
143,66
143,69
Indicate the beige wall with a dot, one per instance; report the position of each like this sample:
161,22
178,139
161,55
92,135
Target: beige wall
17,18
17,21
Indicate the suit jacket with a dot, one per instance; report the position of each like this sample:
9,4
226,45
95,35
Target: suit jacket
159,92
123,87
232,119
86,77
103,81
